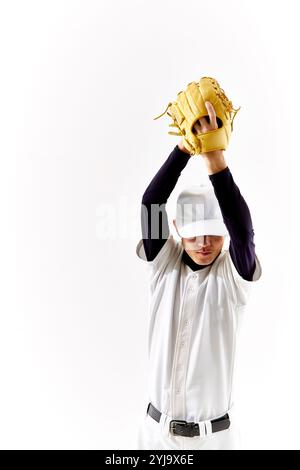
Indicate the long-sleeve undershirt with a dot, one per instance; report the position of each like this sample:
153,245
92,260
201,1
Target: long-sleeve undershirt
235,212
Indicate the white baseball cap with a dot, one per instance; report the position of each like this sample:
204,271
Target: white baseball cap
198,212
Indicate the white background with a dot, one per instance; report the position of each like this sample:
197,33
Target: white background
80,84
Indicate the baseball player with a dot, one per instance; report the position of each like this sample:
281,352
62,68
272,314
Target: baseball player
198,293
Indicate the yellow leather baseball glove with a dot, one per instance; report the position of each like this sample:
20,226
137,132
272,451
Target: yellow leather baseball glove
190,107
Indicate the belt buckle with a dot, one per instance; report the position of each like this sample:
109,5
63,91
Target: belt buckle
183,428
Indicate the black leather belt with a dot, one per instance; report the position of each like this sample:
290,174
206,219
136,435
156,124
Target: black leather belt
183,428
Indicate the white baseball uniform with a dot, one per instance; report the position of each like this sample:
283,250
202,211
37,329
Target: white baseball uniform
194,318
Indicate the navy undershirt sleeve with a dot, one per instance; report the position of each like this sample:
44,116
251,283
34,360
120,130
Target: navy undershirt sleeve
156,196
237,218
235,212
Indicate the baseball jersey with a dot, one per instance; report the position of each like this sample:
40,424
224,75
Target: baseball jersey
195,311
194,318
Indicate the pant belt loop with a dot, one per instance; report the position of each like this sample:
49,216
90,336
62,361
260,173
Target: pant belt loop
208,427
164,423
202,429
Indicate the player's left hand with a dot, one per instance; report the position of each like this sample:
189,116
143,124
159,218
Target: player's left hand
202,125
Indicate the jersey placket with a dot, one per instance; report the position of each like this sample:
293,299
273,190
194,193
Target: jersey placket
182,348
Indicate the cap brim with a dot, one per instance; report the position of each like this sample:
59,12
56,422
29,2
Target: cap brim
207,227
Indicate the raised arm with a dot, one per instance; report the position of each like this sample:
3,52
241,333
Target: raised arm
154,219
237,218
235,212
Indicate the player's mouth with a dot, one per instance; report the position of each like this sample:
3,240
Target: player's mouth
206,253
